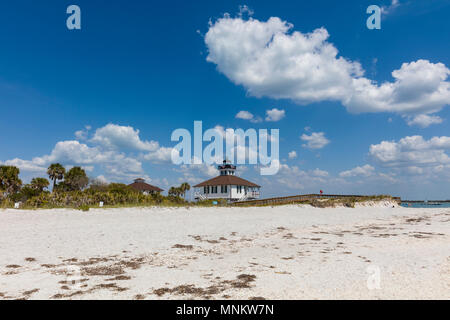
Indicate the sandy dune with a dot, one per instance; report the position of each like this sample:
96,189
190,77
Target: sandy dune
288,252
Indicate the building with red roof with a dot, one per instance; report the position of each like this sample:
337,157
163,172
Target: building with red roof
145,188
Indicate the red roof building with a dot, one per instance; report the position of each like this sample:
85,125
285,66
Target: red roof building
145,188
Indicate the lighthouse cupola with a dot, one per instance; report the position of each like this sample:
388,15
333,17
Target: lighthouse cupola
227,169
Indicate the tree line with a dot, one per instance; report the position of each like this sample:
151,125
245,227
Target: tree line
74,188
11,185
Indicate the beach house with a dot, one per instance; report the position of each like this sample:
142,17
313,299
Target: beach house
140,185
227,186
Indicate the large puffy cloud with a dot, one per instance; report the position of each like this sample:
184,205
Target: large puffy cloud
410,161
161,155
419,88
413,153
122,137
269,59
109,151
25,165
74,153
126,138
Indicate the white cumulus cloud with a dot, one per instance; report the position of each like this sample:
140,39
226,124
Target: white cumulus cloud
364,171
315,140
161,155
108,151
292,155
423,120
246,115
275,115
269,59
412,151
113,136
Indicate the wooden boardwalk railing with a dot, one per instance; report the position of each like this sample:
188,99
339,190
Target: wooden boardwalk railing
299,198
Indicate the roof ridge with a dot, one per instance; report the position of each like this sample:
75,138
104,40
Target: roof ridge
149,186
227,180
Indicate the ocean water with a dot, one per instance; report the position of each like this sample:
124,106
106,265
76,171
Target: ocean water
426,205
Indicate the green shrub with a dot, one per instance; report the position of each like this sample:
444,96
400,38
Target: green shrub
6,203
117,195
210,203
84,208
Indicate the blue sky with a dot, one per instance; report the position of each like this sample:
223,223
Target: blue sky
142,69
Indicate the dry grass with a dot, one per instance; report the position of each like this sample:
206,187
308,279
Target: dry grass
242,281
111,286
30,292
182,246
256,298
103,271
120,278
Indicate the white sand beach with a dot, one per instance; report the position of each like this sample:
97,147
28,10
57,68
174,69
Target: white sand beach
287,252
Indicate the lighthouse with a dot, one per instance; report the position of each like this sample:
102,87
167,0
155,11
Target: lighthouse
227,186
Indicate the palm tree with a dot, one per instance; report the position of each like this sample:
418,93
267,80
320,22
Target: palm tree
56,172
184,188
173,192
9,179
39,184
76,179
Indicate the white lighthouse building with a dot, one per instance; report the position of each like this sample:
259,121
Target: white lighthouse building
227,186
